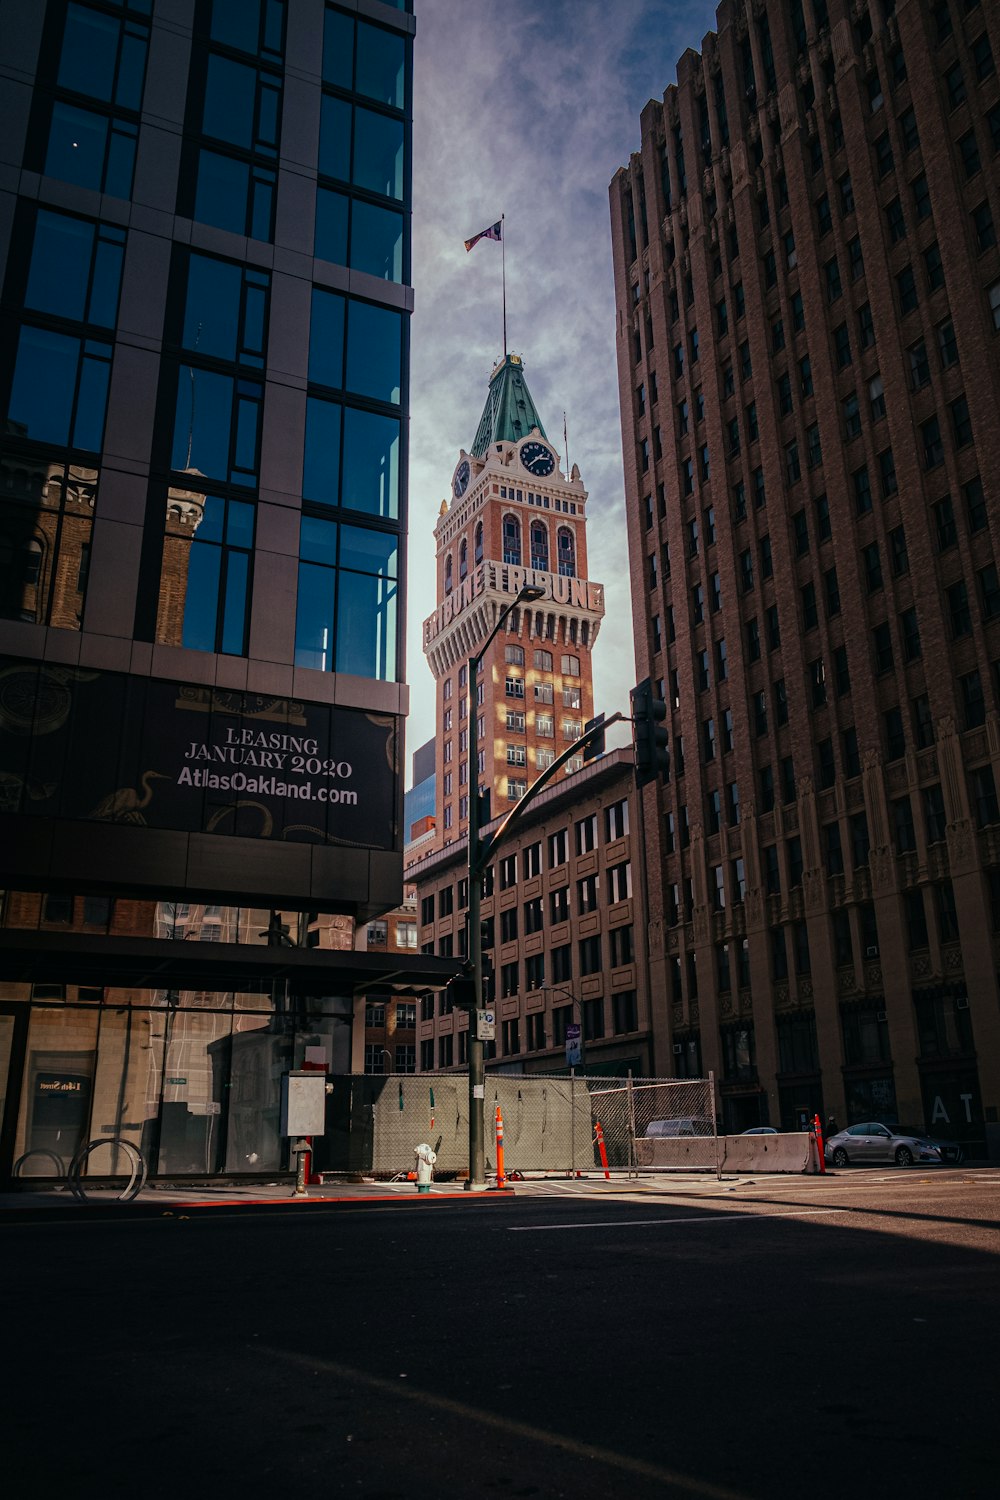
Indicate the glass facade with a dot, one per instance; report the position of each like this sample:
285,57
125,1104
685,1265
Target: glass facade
202,517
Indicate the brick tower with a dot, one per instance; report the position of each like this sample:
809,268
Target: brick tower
514,518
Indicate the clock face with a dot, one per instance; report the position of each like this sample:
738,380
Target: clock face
537,459
460,483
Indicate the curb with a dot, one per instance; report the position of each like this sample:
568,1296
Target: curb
181,1209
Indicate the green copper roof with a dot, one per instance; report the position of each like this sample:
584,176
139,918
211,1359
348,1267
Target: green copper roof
509,413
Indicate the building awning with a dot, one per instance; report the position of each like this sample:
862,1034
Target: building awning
150,963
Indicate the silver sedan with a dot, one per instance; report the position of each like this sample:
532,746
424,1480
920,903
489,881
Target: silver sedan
903,1144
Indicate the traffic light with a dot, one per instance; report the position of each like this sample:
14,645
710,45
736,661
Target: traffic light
462,993
596,746
652,754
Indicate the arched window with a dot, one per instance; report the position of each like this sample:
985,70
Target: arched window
512,540
540,546
479,542
567,553
447,575
463,559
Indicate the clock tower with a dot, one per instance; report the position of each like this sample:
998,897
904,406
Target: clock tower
513,518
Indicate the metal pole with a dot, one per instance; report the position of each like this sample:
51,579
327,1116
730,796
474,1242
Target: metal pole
715,1125
477,1068
631,1122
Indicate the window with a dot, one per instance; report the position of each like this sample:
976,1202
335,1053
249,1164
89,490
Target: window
982,221
973,700
906,290
622,946
961,422
866,327
883,155
903,827
852,416
982,57
873,567
842,346
958,609
934,267
910,634
824,530
851,756
989,590
856,260
920,370
930,434
984,797
934,814
882,646
876,398
968,150
921,197
589,953
810,612
954,83
346,574
923,724
975,504
834,285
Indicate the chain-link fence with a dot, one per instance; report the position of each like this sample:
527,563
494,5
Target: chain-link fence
550,1124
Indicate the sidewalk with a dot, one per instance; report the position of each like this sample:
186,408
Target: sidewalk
168,1198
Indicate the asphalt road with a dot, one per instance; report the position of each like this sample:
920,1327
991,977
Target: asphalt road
802,1338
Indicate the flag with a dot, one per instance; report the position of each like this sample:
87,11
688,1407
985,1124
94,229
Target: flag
493,233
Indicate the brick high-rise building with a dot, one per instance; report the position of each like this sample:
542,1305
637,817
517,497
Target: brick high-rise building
808,306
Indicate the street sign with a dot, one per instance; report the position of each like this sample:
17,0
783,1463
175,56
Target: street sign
574,1045
486,1025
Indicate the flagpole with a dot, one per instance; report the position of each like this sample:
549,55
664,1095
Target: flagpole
503,273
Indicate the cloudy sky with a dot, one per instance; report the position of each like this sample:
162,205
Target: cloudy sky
526,108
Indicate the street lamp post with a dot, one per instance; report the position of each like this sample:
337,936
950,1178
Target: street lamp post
477,1070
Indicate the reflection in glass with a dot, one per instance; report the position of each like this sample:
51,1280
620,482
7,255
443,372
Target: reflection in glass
368,551
46,520
366,600
92,150
326,338
318,540
366,626
374,351
90,62
331,225
238,24
205,574
321,460
59,392
212,306
234,195
57,1096
380,70
314,617
371,463
216,425
374,243
338,49
377,241
75,269
230,95
378,153
335,138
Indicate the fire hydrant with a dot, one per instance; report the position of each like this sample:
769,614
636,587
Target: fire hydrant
426,1157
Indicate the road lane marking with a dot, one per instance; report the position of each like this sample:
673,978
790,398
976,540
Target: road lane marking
804,1213
684,1483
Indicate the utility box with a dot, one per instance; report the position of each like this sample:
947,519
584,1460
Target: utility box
303,1104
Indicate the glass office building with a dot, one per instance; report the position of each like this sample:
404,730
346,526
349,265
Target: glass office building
205,258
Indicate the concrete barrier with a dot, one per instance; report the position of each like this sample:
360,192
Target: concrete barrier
738,1153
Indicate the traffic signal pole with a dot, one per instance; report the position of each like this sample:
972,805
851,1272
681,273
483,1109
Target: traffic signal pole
481,854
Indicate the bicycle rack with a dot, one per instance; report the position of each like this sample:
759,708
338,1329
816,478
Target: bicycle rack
139,1170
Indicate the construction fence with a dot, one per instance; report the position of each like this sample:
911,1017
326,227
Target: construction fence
550,1124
